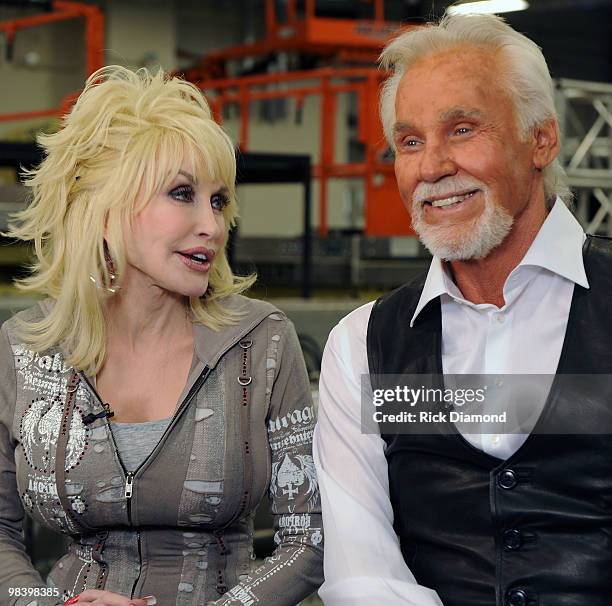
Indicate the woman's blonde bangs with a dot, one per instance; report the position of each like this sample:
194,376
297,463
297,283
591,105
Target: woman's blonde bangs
124,141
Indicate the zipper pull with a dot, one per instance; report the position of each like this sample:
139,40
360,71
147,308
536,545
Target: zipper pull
129,481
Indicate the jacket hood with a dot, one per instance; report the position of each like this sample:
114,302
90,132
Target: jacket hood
210,345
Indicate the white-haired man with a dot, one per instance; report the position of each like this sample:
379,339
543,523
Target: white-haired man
514,287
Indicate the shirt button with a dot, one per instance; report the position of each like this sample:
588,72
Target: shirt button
516,597
513,539
507,479
501,318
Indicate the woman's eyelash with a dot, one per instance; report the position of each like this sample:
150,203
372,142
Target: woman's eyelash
219,201
182,192
186,193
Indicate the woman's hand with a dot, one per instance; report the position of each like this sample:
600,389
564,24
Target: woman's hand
97,597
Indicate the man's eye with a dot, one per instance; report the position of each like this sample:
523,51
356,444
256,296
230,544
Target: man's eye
219,201
409,143
463,130
183,193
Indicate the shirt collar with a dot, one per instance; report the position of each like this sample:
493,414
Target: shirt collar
557,248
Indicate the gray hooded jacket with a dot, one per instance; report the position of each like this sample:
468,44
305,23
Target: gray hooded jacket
181,526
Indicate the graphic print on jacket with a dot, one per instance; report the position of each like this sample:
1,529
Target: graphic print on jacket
45,378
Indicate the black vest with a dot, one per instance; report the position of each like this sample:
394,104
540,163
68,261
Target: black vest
533,530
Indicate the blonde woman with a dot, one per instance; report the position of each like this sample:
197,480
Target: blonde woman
146,407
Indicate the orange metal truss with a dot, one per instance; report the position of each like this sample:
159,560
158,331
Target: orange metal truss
350,40
62,10
346,41
385,214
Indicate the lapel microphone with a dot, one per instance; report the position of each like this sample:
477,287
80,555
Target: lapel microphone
106,413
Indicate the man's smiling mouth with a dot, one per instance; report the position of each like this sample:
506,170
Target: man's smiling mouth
451,200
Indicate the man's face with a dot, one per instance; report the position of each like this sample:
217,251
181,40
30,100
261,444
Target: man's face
463,172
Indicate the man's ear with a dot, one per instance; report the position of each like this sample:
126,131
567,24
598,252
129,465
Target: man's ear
546,143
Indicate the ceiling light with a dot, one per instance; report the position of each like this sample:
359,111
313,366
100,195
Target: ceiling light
488,6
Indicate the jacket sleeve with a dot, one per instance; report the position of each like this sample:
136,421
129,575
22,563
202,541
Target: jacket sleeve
363,561
295,569
17,575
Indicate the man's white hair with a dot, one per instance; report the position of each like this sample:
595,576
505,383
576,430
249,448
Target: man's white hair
524,74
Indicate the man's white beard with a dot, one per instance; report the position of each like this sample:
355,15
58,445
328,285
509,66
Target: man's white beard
472,240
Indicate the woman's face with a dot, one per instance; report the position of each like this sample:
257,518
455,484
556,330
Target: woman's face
171,244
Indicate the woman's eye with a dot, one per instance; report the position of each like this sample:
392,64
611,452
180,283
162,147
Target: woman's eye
183,193
219,201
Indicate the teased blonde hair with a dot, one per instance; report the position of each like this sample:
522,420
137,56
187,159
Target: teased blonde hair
124,140
523,72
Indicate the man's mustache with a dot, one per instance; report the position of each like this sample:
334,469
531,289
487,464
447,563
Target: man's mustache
445,188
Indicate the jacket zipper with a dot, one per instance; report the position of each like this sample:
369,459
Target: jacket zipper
129,486
128,489
130,476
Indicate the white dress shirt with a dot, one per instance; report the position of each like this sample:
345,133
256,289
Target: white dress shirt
363,562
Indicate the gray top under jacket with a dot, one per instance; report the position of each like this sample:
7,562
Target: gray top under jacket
136,441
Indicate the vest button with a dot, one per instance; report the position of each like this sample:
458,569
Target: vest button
507,479
516,597
513,539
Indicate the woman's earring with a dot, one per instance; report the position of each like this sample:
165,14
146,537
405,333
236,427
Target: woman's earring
113,287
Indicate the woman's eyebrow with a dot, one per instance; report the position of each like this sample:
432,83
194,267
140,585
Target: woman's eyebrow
188,176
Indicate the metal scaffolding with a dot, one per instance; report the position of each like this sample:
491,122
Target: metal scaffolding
585,118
